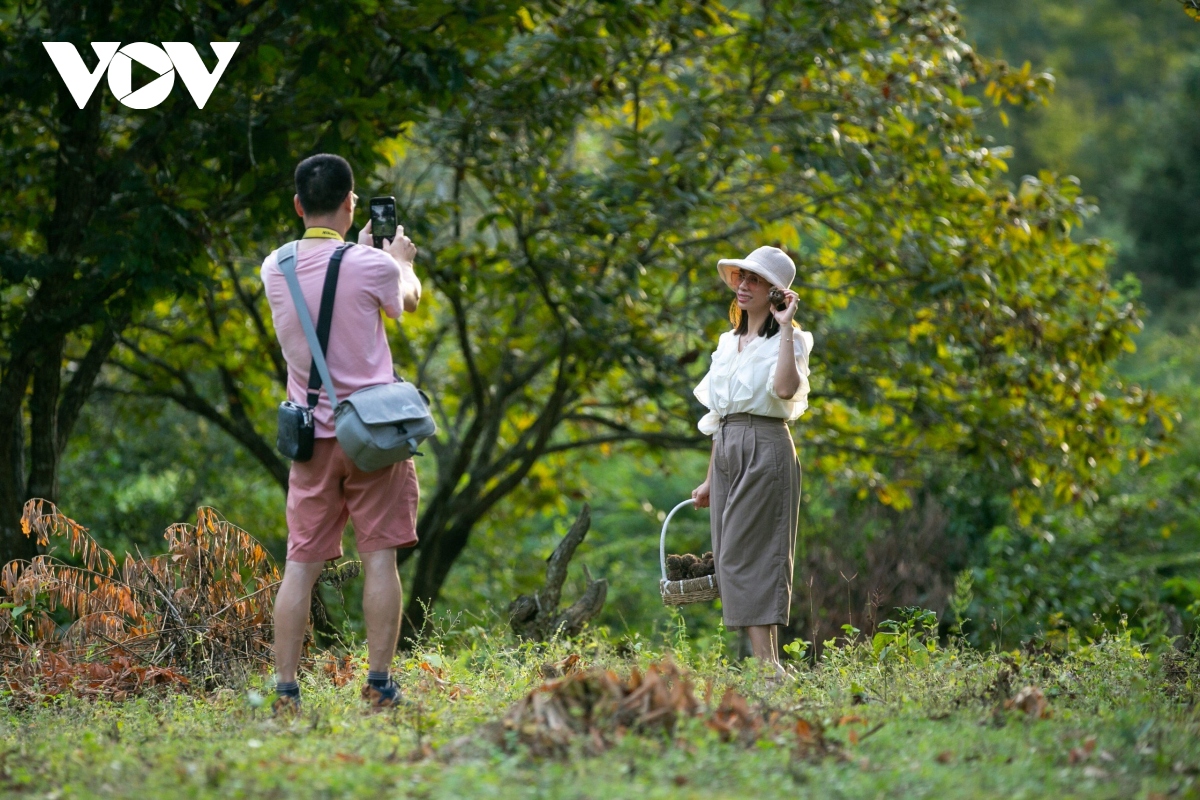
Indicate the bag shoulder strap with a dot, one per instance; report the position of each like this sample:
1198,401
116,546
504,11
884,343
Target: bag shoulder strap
325,319
287,265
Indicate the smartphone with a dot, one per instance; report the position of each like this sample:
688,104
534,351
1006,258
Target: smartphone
777,298
383,218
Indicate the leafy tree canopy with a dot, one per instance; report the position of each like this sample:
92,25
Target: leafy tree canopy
1113,62
1164,207
572,200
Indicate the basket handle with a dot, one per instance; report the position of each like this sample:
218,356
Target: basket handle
662,542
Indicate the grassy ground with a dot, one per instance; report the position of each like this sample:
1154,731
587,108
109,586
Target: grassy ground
1119,724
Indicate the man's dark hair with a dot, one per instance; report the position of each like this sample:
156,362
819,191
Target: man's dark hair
323,181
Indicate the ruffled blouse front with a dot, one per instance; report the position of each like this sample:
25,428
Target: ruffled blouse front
744,383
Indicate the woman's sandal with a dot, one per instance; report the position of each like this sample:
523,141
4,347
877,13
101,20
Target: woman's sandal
780,677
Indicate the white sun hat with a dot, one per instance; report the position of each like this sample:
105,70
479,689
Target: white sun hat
769,262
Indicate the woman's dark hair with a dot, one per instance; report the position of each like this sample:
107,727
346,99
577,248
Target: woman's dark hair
741,322
322,182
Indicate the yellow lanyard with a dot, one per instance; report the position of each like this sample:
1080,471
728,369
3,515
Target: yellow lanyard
322,233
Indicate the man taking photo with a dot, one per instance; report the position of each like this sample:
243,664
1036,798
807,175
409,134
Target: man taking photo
328,489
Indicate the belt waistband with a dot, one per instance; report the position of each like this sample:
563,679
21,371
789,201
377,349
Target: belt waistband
756,420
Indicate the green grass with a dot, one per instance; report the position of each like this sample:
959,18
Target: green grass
943,732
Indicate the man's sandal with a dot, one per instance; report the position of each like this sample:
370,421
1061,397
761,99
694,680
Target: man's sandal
285,706
379,699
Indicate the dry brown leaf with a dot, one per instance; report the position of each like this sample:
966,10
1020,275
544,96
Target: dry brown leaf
1080,754
1032,701
565,666
596,707
340,671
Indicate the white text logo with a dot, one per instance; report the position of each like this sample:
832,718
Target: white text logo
172,57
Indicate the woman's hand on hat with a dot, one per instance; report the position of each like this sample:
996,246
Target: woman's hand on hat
784,318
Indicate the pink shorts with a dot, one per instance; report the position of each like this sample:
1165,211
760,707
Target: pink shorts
328,489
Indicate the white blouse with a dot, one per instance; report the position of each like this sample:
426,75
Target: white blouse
744,383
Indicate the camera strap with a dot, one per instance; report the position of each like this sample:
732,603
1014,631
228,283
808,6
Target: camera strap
319,232
318,338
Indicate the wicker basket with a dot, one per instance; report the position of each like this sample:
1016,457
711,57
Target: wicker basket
692,590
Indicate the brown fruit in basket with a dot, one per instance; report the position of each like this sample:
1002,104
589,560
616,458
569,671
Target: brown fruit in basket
675,568
687,566
680,567
704,566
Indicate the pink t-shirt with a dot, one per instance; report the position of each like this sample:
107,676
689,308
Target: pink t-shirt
357,354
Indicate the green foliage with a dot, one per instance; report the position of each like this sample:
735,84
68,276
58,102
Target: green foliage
796,650
572,171
908,639
136,466
1132,556
1113,63
961,600
1164,209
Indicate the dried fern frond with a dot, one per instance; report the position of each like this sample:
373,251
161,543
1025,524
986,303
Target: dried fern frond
203,608
43,518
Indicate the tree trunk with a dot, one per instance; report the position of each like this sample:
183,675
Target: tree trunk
37,344
537,617
13,543
43,422
53,411
446,524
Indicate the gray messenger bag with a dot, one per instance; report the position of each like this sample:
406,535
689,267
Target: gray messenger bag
376,426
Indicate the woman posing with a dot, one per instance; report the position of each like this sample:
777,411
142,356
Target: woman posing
757,383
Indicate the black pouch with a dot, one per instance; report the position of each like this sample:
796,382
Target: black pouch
297,425
297,431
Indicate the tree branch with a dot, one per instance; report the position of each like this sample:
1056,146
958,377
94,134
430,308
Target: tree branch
84,380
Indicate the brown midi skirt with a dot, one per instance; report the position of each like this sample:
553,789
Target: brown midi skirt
755,500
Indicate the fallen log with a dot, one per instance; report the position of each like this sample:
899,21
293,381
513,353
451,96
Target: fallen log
537,617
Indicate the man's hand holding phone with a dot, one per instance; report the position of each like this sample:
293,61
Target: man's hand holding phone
382,231
404,251
400,247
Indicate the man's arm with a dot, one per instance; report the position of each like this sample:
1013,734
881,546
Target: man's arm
404,251
410,286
